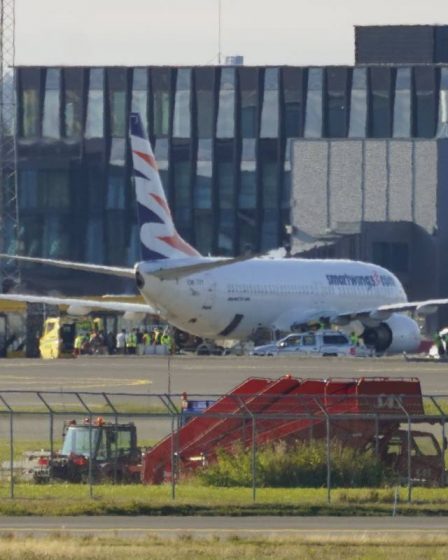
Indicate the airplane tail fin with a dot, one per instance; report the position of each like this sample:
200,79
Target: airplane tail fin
158,236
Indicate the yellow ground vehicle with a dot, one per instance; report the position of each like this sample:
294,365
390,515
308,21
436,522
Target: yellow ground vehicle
59,334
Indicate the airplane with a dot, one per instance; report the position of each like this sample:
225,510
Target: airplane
215,297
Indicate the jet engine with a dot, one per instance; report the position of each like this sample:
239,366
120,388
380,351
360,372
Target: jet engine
398,334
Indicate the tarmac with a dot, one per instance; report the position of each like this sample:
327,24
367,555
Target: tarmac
227,527
202,374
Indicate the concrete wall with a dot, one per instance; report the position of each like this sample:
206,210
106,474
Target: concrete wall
335,182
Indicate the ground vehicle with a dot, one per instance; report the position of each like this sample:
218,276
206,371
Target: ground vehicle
321,342
112,447
58,336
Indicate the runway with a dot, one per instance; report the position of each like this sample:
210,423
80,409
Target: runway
152,375
201,374
206,527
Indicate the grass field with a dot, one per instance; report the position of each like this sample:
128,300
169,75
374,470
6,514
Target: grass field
151,548
191,499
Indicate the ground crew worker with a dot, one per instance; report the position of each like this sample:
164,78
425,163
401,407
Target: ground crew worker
354,338
146,338
121,342
157,336
77,346
131,342
167,341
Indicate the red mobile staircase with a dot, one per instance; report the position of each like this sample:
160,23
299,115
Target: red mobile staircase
285,409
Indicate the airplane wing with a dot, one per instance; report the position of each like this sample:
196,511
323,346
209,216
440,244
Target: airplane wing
82,306
169,273
97,268
383,312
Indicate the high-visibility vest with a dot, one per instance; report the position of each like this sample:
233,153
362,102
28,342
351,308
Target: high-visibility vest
78,342
146,339
131,340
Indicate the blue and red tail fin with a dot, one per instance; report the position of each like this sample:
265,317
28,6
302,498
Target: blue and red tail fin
158,236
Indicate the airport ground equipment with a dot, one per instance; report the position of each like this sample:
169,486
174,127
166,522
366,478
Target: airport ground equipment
101,450
363,413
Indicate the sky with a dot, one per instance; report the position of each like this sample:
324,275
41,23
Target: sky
185,32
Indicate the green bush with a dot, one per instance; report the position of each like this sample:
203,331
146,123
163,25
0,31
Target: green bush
301,465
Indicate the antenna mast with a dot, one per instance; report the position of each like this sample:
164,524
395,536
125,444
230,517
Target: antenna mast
219,32
8,154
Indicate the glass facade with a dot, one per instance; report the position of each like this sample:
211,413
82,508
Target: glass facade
221,136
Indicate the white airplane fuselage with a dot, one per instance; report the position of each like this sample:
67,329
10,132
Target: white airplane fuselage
232,301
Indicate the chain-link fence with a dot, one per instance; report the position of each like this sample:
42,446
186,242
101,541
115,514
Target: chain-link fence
182,435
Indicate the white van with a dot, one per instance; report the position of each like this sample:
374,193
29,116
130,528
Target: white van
322,343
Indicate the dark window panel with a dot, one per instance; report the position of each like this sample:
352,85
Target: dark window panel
181,176
116,237
247,228
202,188
29,102
117,101
393,256
268,164
31,228
337,103
359,96
225,174
249,95
56,237
225,126
270,104
51,127
203,231
28,189
381,101
139,101
182,104
270,225
425,101
161,84
94,175
205,101
73,79
57,190
402,117
247,196
95,104
226,232
225,180
294,86
315,103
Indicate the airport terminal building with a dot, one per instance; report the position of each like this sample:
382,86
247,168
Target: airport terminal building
343,161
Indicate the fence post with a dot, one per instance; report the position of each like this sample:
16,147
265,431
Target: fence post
90,456
328,460
173,460
328,444
377,441
443,452
254,459
11,453
409,462
51,437
254,447
409,439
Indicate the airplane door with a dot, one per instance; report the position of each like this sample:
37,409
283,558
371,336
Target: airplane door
209,290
